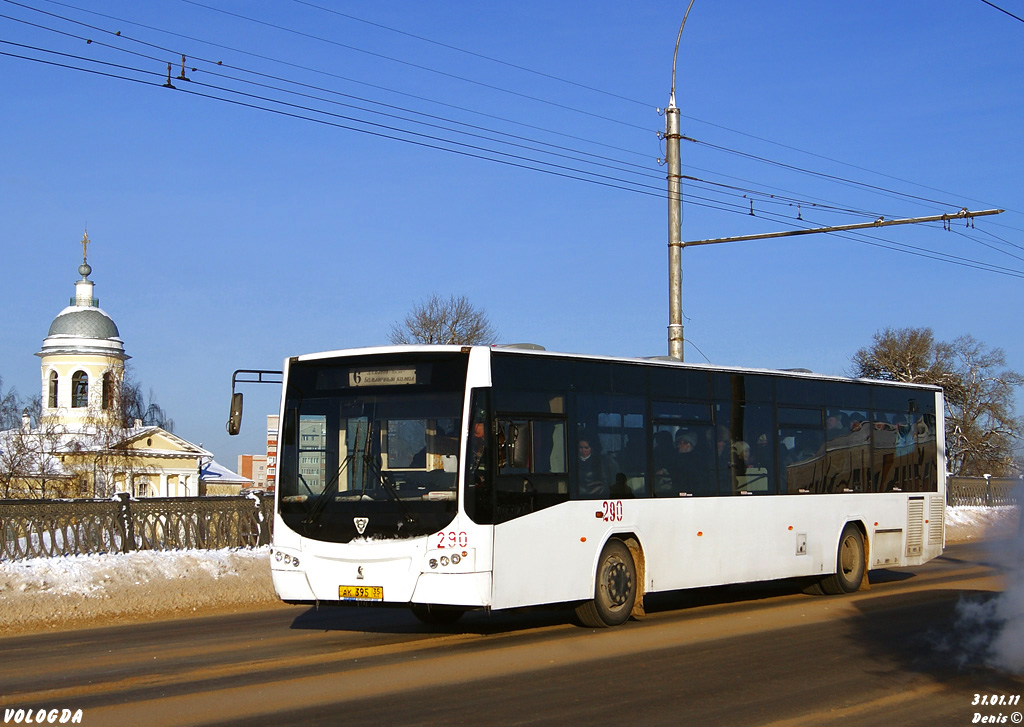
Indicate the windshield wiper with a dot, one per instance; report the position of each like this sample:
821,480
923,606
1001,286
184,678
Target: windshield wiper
332,485
389,488
324,497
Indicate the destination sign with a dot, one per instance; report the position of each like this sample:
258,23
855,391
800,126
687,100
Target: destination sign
382,377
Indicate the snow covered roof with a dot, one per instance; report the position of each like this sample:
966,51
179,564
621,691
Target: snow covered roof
212,472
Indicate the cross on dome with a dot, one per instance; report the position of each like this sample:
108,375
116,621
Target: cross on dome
84,269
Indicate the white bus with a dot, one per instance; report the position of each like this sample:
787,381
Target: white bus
448,478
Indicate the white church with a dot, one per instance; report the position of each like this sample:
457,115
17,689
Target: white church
81,446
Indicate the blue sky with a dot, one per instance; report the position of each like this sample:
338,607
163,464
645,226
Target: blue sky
231,237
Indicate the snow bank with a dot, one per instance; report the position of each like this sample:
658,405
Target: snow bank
974,523
86,590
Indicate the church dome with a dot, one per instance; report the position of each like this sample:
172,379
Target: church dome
83,328
83,323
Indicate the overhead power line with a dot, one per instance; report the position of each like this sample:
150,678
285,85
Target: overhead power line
418,66
496,60
522,163
809,201
488,134
303,111
499,61
299,66
467,150
1002,10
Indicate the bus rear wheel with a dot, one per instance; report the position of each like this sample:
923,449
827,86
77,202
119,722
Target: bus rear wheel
614,588
850,563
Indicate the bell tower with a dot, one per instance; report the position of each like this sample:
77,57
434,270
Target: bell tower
82,360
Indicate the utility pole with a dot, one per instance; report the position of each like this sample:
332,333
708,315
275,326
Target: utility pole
675,213
675,232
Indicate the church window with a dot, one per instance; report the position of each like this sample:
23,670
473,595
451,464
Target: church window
80,390
108,390
52,395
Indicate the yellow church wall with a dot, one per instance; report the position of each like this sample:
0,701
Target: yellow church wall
155,440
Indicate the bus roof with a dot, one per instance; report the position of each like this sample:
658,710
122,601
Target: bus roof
662,361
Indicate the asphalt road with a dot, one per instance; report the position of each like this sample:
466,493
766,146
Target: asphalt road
901,653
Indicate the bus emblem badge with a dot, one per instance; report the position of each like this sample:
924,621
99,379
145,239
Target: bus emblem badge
361,523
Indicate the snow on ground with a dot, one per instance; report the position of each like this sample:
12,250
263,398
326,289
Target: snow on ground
92,590
77,591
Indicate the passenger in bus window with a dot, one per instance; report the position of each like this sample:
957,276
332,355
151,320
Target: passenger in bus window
593,471
620,490
740,454
685,441
760,454
477,445
684,465
692,472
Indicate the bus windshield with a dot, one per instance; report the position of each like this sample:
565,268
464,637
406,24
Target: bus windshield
369,446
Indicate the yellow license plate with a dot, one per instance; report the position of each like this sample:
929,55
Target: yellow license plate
361,593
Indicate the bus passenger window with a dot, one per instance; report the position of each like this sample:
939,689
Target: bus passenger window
801,450
847,451
753,449
531,473
684,464
611,447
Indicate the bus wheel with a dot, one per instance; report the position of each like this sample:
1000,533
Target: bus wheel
614,588
850,563
436,615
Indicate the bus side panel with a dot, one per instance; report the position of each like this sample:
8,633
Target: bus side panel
713,541
550,556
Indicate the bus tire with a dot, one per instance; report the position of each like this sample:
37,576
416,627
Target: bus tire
614,588
850,563
436,615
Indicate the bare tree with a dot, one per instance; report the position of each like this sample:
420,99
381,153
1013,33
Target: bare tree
982,429
910,355
134,405
29,452
437,320
10,408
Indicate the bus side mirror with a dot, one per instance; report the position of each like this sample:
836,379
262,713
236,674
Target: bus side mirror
235,417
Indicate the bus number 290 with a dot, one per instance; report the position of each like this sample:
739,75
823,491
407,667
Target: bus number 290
452,539
612,510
